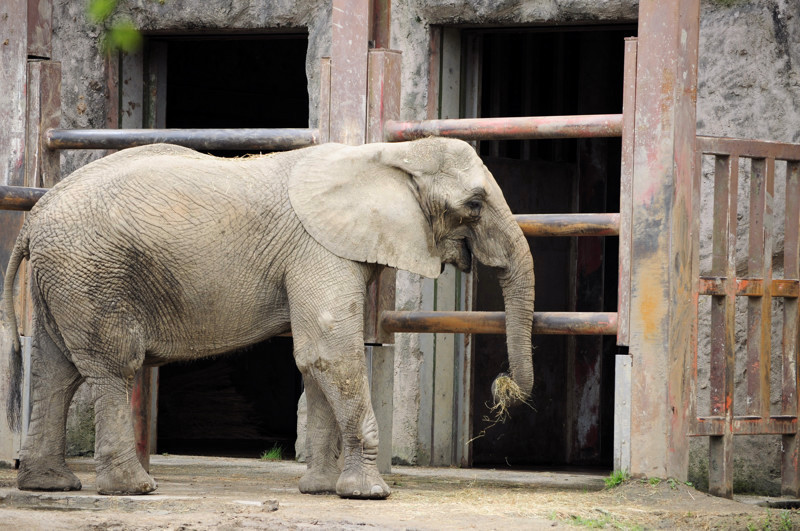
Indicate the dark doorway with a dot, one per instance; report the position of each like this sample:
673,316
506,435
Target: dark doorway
246,402
539,73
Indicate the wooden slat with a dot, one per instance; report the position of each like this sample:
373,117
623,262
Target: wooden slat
748,148
759,310
750,287
625,190
744,425
790,444
723,324
40,28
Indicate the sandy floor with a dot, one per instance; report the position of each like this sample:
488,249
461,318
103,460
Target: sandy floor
218,493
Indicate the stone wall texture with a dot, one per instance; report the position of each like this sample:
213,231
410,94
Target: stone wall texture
749,86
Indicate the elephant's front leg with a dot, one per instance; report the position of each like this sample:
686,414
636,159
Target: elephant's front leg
327,326
323,443
344,386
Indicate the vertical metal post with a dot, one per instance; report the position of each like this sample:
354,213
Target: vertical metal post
662,324
759,309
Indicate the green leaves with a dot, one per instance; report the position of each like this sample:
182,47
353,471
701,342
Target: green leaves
118,33
100,10
123,36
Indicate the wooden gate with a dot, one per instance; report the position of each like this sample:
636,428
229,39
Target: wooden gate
735,162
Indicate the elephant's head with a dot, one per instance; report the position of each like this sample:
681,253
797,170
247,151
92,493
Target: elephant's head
414,206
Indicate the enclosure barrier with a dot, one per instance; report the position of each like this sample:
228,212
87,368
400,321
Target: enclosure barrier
754,416
577,323
515,128
201,139
19,197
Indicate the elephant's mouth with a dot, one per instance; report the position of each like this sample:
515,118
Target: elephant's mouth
464,261
459,253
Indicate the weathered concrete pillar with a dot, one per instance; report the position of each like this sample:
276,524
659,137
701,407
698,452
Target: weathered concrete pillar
662,320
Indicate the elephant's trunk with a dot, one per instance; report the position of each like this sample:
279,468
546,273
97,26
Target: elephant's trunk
517,282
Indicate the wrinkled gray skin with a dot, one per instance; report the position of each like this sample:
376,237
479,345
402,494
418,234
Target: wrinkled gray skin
158,254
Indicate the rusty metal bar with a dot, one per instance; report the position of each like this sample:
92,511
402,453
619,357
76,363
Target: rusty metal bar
202,139
552,323
745,425
568,224
714,145
790,444
19,197
750,287
516,128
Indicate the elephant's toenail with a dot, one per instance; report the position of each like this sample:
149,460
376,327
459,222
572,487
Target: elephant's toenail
356,493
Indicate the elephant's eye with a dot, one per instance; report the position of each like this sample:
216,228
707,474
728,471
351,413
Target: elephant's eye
474,206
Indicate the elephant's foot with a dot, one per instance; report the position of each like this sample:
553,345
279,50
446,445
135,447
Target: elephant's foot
319,482
125,480
47,477
360,483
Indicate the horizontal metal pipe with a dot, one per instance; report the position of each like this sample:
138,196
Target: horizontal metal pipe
202,139
516,128
19,197
552,323
569,224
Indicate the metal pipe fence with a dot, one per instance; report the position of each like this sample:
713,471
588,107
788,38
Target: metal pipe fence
201,139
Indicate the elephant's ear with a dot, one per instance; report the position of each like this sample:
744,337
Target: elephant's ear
361,206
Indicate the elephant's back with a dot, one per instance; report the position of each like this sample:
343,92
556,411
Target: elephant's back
182,233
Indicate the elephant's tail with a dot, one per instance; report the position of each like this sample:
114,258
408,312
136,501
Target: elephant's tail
14,403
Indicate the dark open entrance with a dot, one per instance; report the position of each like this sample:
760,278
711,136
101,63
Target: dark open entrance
243,403
539,73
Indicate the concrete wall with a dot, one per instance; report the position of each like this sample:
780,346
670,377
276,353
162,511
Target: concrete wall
748,86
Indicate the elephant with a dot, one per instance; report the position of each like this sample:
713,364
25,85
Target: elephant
159,253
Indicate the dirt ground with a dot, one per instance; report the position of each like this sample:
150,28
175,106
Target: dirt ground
222,493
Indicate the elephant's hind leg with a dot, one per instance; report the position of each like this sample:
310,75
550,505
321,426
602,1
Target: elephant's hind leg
54,380
323,444
109,370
